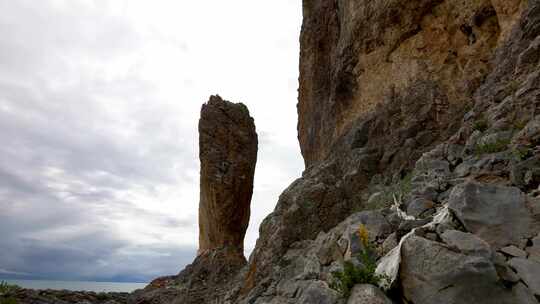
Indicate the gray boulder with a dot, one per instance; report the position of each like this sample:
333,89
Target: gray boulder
534,250
433,273
318,292
430,174
514,251
524,294
530,134
389,243
420,207
529,272
499,215
467,243
524,174
367,294
503,270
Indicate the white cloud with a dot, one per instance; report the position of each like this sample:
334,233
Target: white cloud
99,105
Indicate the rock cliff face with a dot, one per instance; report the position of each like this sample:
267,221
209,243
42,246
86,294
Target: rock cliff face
228,154
417,111
357,54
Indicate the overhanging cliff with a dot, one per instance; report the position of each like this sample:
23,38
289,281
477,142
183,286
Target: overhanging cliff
357,54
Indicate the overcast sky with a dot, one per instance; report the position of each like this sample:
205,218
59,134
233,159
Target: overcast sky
99,105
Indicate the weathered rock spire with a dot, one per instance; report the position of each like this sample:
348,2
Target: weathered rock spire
228,154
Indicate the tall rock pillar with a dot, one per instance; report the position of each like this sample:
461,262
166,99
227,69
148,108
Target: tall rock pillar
228,154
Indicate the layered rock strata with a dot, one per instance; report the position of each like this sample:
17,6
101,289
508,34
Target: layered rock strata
357,54
228,154
365,122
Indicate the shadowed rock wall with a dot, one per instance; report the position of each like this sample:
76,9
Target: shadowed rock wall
357,54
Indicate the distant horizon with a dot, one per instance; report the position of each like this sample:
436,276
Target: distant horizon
119,279
67,280
127,282
79,286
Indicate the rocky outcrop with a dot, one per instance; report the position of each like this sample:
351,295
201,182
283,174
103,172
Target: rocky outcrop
357,54
228,154
206,280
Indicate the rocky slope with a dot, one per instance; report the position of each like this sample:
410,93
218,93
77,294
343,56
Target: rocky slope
419,122
356,55
431,106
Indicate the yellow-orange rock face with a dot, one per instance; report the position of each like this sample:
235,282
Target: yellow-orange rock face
357,54
228,154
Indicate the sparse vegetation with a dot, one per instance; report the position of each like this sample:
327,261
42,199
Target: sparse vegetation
402,188
519,124
102,296
521,153
382,200
6,291
468,107
391,193
481,124
361,271
513,85
6,288
9,300
492,147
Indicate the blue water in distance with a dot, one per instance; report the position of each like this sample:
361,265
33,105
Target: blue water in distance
77,285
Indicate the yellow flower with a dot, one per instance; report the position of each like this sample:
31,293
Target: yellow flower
363,234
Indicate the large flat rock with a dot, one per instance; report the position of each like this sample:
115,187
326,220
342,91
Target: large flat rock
433,273
499,215
529,272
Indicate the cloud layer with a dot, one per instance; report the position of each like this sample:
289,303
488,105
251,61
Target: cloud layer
99,103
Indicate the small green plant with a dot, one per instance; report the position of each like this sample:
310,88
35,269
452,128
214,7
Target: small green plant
392,193
481,125
521,153
492,147
362,272
519,124
102,296
467,107
6,288
403,187
513,85
5,293
9,300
